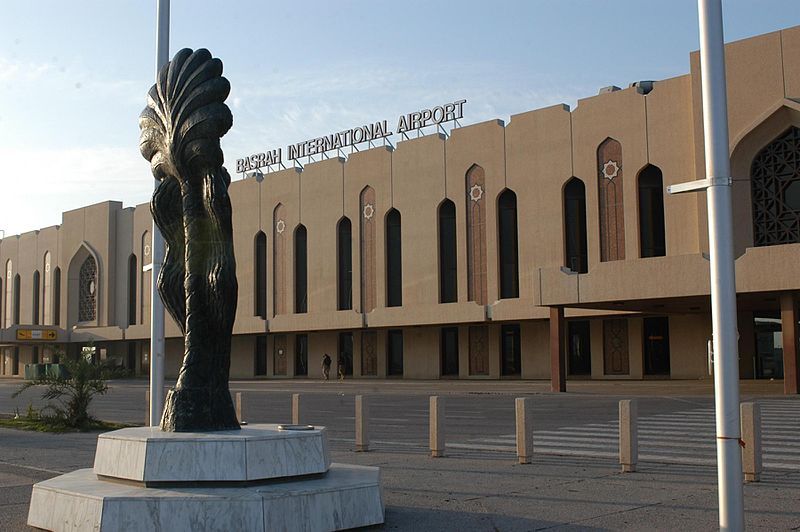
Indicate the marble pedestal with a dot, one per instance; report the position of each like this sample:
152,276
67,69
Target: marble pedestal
259,478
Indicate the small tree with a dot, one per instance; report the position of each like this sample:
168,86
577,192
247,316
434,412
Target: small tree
73,392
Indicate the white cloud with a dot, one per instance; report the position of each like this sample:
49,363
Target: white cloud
38,185
11,70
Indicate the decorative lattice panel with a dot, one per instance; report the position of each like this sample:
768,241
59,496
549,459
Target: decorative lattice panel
87,300
775,182
479,350
369,353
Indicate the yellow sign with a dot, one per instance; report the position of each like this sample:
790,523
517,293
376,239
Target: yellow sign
36,334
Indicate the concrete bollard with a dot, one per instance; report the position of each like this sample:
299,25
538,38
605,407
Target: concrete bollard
147,408
436,427
524,409
362,428
295,408
751,436
628,435
238,403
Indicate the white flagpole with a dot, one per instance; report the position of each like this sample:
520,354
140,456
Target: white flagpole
723,281
156,305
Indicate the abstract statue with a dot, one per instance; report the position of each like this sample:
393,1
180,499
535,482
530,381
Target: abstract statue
180,132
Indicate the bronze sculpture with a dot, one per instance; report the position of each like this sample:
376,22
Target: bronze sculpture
180,136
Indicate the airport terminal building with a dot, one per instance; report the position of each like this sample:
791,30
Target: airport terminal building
517,250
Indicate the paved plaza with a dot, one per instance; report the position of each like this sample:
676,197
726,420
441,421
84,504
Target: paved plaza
574,480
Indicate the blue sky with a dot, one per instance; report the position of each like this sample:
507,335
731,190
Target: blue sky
73,75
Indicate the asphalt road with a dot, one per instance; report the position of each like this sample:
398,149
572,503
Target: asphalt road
573,484
399,410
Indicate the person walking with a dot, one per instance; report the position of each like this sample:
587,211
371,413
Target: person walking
326,366
341,368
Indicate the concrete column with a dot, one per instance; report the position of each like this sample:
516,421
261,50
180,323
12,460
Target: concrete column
362,420
524,409
751,436
147,404
558,371
238,403
628,435
295,408
791,361
436,427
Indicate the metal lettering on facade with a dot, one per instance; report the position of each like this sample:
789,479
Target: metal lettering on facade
435,116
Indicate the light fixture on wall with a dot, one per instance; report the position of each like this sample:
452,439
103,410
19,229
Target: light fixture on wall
257,173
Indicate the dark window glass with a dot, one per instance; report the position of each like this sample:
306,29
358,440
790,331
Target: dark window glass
448,266
15,362
579,352
394,351
300,270
394,264
261,275
35,354
261,355
346,352
656,346
450,351
575,226
133,273
652,242
130,363
16,300
510,350
509,260
301,355
344,248
57,296
35,313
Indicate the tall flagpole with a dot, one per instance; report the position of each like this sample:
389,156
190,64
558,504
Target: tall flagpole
156,305
723,281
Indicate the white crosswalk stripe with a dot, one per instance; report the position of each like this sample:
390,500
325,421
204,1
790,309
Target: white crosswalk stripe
677,437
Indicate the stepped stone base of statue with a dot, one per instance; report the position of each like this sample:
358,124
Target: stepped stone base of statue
257,478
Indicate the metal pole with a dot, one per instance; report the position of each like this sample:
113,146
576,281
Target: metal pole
156,305
723,282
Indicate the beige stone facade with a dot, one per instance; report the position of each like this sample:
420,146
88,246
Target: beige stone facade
462,247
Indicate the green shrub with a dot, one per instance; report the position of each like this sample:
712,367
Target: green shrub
70,394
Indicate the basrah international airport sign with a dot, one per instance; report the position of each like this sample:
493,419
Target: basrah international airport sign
435,116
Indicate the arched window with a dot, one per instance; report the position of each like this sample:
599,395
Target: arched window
9,295
575,255
300,269
448,259
394,260
775,187
508,244
344,252
610,197
652,241
279,249
368,228
57,296
16,299
476,235
35,293
47,292
87,290
260,270
133,273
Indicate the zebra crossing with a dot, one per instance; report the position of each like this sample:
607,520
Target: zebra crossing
686,437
